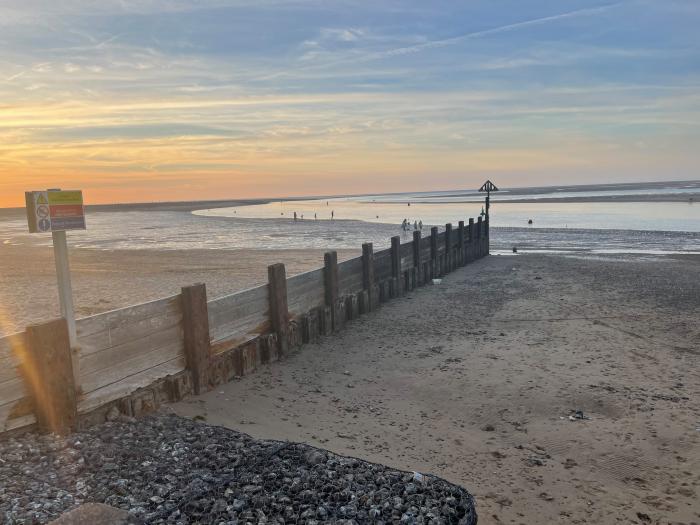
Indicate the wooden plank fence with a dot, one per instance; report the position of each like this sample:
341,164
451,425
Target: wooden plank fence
134,358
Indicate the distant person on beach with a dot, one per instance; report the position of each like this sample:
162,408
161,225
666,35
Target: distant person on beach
295,215
332,214
315,217
420,225
415,225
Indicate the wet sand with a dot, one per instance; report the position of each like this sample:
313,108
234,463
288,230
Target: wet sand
475,379
106,280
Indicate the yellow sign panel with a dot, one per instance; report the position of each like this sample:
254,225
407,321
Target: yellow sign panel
55,210
65,197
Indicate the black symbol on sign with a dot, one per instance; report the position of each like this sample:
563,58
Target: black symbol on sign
42,211
44,225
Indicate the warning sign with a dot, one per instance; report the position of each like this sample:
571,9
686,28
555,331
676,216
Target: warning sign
55,210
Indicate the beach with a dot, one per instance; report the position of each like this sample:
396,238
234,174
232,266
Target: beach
554,388
558,384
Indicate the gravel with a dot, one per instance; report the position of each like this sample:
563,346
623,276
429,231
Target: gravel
167,469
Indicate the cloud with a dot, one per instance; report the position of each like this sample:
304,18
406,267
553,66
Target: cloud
305,88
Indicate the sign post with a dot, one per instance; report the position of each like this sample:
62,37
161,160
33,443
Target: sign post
57,211
488,187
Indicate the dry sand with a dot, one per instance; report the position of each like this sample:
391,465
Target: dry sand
474,380
105,280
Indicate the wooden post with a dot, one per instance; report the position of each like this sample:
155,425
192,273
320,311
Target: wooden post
396,265
368,275
195,320
434,271
470,249
48,372
330,260
448,248
416,258
460,242
479,237
487,242
279,314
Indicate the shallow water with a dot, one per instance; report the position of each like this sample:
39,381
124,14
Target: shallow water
652,216
181,230
654,228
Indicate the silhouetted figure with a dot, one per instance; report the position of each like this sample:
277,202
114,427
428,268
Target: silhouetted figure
295,216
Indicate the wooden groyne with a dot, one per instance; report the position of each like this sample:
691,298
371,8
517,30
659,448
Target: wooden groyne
134,359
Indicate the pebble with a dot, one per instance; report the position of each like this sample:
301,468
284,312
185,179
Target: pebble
168,469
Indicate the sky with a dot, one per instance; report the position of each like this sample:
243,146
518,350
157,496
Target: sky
159,100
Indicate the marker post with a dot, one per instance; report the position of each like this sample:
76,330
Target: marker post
57,211
65,290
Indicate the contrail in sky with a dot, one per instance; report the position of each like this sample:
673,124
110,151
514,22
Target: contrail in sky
502,29
449,41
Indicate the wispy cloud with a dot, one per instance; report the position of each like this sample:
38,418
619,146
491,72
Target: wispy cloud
343,93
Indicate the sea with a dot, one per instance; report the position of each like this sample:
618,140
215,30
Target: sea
651,219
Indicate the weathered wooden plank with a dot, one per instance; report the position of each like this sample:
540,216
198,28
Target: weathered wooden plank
236,340
306,291
330,273
106,376
303,303
11,423
129,384
382,265
305,282
12,390
115,355
256,322
279,313
416,245
301,279
52,388
127,316
12,347
195,324
241,303
9,369
395,256
126,333
350,276
12,352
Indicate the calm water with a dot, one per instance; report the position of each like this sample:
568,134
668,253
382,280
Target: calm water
580,227
652,216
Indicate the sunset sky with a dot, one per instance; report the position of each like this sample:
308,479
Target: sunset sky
159,100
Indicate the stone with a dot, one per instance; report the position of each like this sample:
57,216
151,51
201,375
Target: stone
92,513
